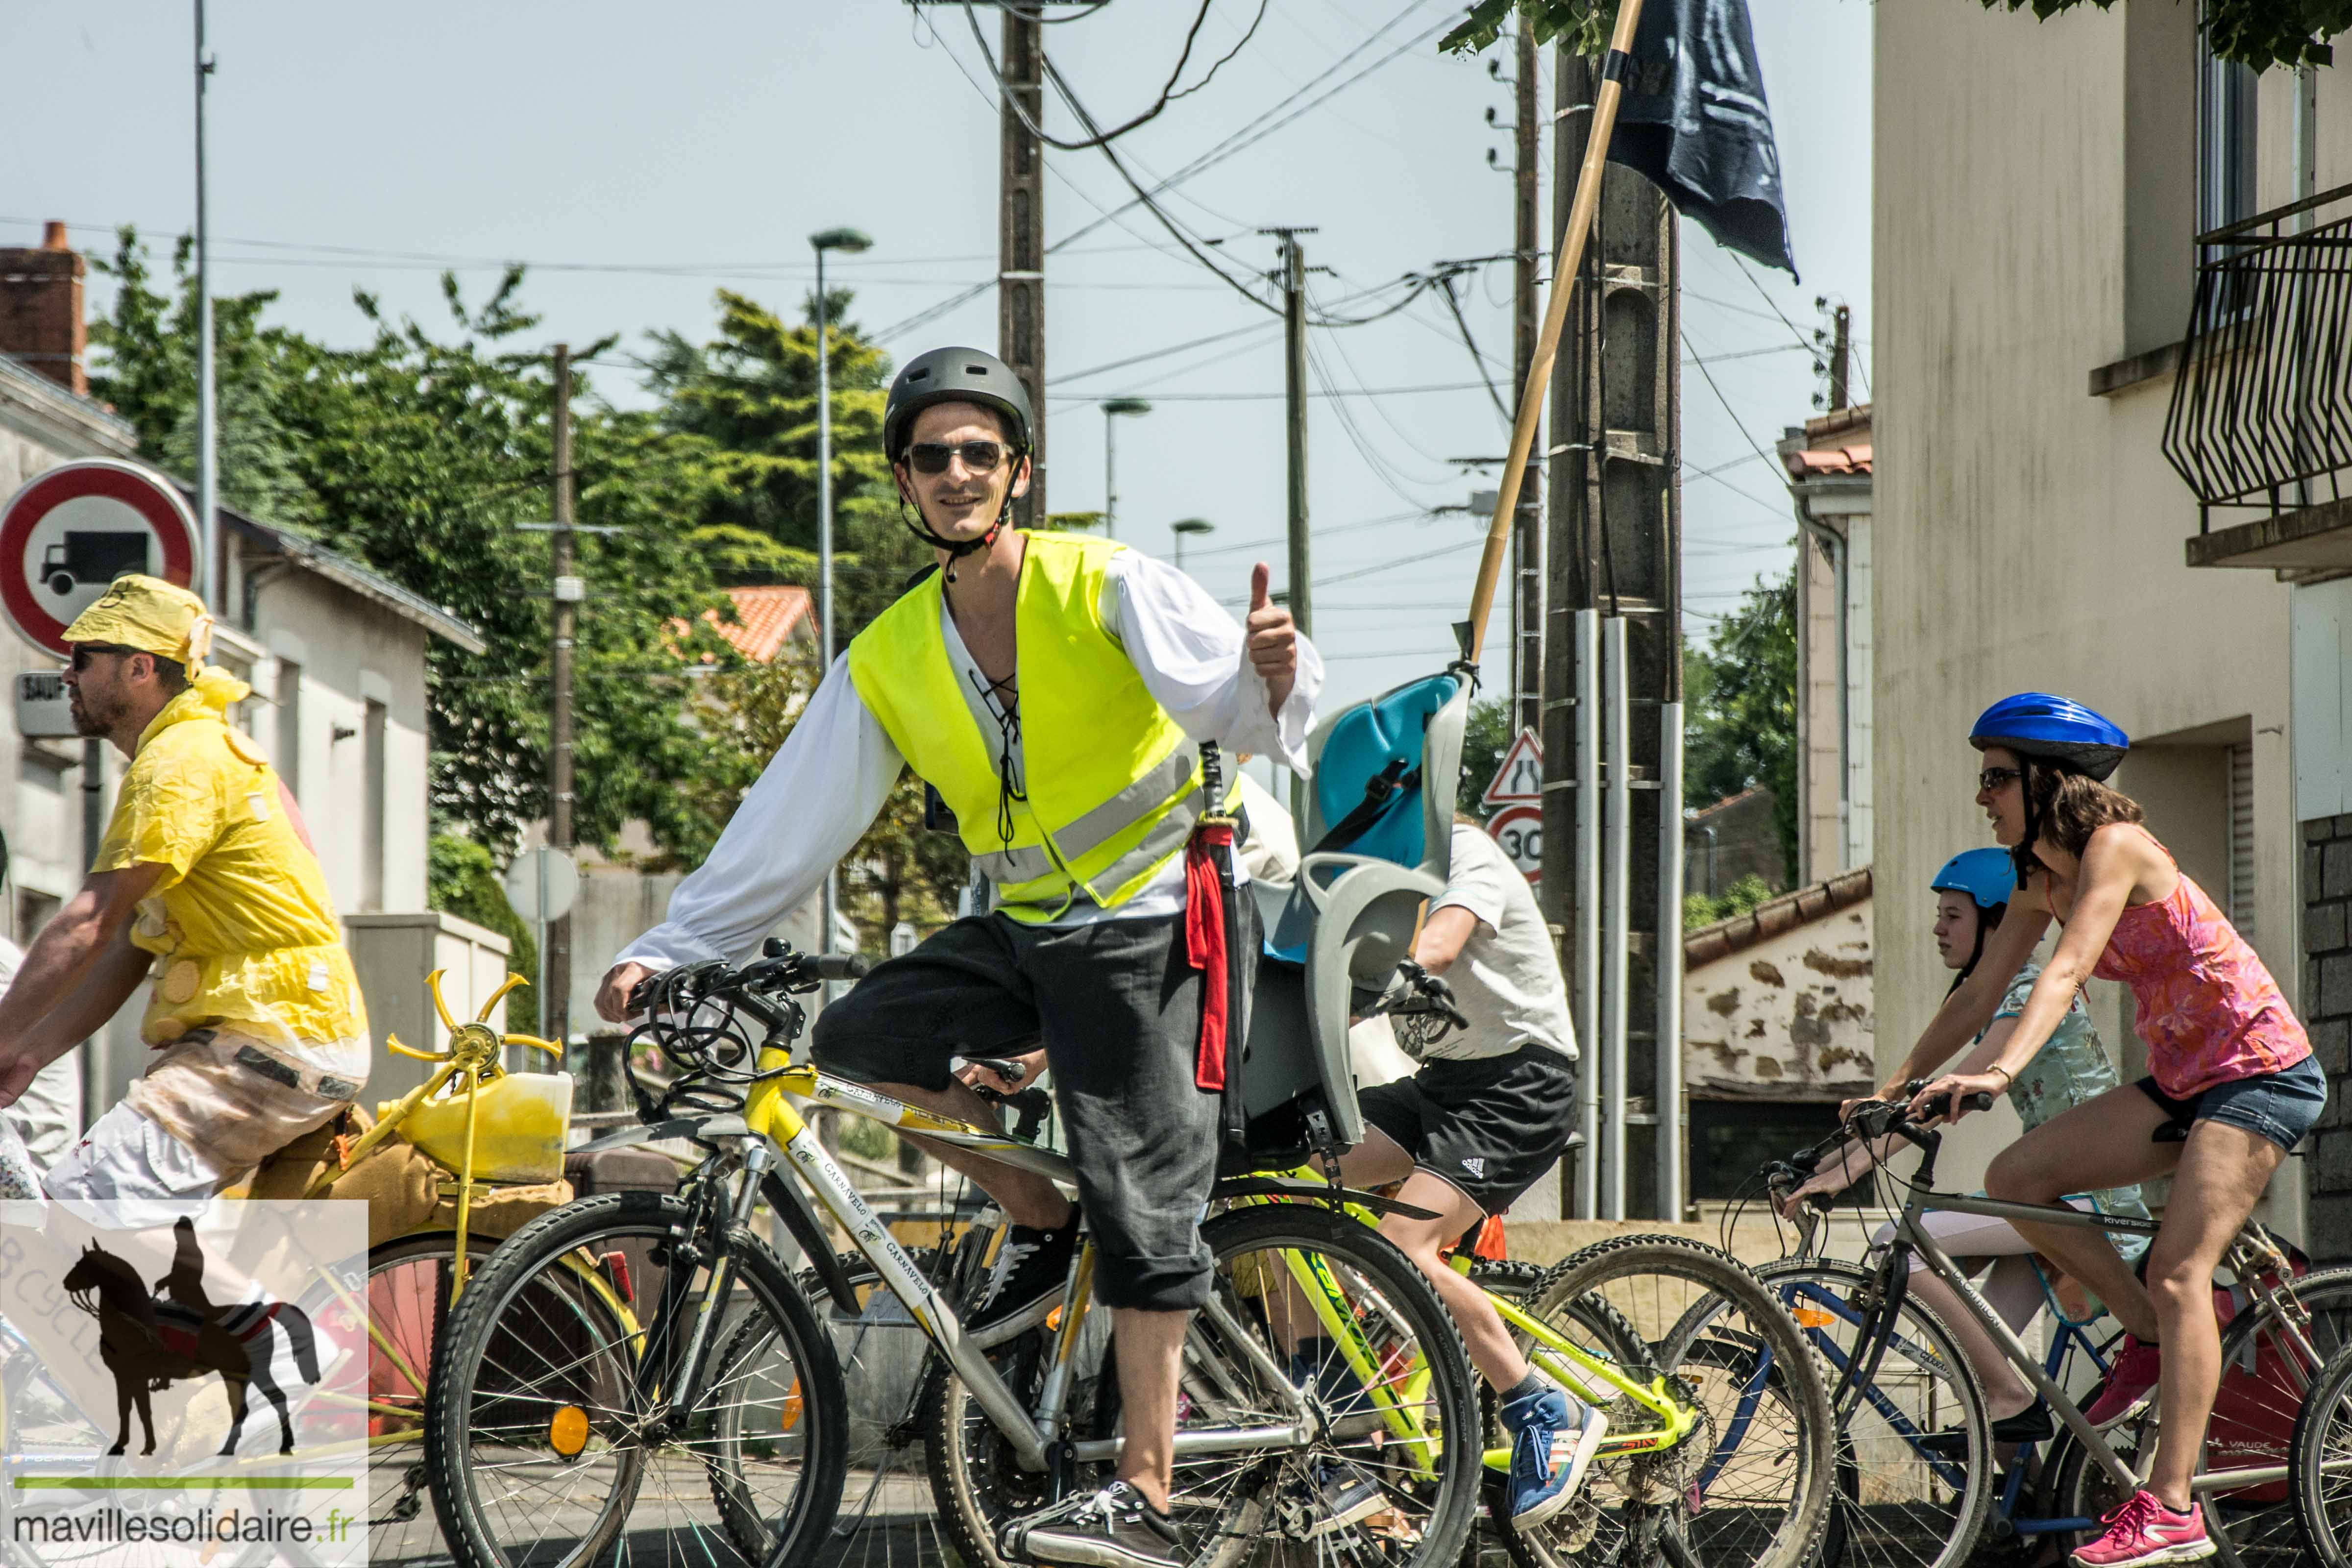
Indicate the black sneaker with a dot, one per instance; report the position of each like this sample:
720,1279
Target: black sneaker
1023,1283
1113,1528
1344,1492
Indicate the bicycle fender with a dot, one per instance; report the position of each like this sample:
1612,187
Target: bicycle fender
792,1205
1261,1187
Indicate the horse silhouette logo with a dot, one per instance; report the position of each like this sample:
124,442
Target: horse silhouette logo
151,1341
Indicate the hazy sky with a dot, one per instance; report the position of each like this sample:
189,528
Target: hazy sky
640,159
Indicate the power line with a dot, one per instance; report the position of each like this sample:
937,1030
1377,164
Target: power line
1168,93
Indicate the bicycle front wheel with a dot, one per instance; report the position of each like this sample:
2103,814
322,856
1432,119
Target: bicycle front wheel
1302,1299
1901,1502
551,1441
1738,1474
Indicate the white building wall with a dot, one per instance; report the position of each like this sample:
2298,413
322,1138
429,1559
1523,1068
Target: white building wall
2033,532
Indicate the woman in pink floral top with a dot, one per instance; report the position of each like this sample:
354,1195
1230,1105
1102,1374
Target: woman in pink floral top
2232,1087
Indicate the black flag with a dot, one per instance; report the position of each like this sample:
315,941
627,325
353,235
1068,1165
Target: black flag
1693,122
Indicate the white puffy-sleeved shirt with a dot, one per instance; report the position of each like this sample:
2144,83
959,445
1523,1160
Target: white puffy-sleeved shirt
830,779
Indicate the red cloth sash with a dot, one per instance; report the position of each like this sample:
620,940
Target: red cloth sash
1206,942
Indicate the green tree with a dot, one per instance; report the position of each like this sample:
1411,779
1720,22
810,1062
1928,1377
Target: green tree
749,394
419,455
1486,736
1740,698
2260,33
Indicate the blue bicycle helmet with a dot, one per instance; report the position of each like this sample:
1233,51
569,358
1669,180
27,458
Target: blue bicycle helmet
2052,728
1984,875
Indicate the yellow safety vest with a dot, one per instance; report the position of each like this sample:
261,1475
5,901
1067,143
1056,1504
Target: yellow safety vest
1113,785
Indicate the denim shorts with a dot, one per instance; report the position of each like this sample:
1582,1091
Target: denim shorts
2280,1106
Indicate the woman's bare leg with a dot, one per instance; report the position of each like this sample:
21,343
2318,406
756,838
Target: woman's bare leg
2006,1394
2103,1144
2223,1170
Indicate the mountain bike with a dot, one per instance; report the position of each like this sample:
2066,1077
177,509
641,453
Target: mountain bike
1917,1458
677,1399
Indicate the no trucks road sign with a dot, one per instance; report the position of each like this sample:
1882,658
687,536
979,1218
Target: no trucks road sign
74,529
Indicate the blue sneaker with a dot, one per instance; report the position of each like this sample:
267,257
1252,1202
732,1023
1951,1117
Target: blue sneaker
1553,1438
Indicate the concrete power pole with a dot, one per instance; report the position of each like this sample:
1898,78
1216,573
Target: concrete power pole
555,963
1021,239
1527,534
1613,550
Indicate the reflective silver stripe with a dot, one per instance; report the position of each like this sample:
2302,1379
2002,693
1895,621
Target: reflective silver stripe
1097,826
1166,838
1006,868
1092,829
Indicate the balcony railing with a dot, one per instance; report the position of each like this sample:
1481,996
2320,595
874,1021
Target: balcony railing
2262,410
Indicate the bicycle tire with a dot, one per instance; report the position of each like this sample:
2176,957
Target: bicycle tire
1894,1531
2323,1438
2261,1530
471,1392
1246,1522
1637,1497
406,1326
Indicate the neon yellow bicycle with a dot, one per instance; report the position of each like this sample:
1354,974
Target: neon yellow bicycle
705,1421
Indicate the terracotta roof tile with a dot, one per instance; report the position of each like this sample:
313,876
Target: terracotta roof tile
1800,906
771,617
1823,462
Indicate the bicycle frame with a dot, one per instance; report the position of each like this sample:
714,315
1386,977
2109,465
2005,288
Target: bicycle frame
2072,1336
1910,1240
772,1123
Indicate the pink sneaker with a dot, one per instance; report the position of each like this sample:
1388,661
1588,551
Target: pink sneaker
2131,1378
2144,1531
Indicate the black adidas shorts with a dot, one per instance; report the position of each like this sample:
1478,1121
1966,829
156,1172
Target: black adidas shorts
1491,1127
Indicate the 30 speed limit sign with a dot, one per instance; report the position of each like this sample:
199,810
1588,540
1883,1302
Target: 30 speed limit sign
1519,830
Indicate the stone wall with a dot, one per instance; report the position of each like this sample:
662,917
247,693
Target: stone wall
2326,1009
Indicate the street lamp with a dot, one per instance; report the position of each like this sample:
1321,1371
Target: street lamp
1189,526
851,242
1112,408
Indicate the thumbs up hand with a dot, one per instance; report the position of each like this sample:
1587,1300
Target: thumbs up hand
1273,640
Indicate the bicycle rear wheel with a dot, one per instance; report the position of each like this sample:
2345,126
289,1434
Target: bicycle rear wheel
1260,1505
407,1306
550,1443
1898,1507
2323,1466
1748,1485
2270,1367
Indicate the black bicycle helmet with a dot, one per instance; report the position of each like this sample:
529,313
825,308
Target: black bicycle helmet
956,376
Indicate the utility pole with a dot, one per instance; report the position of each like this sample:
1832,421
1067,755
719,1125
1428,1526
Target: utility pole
1021,238
1613,550
207,582
555,958
1841,347
1527,532
1292,263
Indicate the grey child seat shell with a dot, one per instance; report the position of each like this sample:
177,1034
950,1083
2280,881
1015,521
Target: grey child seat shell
1359,912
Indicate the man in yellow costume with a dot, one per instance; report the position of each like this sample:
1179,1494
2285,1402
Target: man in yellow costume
206,884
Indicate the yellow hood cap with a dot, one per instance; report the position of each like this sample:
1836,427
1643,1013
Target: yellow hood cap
149,614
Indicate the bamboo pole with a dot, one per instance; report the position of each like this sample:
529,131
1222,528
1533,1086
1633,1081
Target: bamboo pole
1566,262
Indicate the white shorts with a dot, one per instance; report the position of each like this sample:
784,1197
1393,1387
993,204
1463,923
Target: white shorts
146,1175
2013,1289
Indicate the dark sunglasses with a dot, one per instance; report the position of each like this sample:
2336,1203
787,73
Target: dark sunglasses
979,457
84,652
1993,778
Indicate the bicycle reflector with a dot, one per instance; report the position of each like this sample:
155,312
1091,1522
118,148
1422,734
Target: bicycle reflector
567,1430
1812,1317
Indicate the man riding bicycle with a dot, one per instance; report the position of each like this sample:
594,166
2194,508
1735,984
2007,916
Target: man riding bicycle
1055,691
207,884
